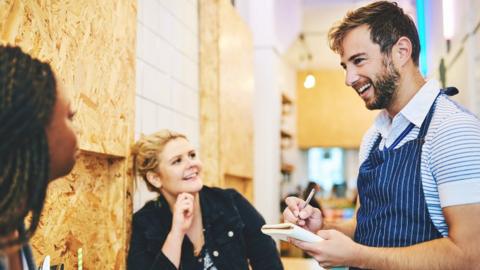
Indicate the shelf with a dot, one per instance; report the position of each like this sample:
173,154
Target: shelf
286,134
286,99
287,104
287,168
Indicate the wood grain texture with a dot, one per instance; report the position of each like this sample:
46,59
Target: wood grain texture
88,210
226,97
236,93
91,47
209,92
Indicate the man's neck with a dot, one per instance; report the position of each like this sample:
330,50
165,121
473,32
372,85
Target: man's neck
409,84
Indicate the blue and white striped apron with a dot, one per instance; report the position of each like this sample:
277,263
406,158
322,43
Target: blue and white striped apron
393,211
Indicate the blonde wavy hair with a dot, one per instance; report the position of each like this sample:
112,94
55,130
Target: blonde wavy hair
146,152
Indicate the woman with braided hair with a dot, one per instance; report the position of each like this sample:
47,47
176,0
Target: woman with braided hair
37,145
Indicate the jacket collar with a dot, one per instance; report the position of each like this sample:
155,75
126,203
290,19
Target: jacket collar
211,210
211,213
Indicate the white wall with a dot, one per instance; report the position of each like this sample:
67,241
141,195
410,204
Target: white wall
272,31
167,76
463,59
287,81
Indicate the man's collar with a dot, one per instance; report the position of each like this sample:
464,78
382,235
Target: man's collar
418,107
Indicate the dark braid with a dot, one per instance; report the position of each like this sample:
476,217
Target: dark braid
27,98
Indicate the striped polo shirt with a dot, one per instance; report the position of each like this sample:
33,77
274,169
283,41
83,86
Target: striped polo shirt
450,162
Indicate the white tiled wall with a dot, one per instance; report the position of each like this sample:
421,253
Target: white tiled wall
167,67
167,71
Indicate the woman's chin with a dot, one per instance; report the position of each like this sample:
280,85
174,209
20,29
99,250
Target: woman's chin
192,186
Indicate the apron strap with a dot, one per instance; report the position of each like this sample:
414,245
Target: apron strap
400,137
450,91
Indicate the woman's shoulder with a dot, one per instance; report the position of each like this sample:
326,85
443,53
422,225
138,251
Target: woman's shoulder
216,191
220,193
151,209
152,219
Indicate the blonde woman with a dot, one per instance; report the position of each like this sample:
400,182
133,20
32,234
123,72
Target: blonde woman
189,225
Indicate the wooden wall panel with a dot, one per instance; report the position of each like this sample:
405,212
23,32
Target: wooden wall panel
209,93
236,93
226,97
91,46
86,209
331,114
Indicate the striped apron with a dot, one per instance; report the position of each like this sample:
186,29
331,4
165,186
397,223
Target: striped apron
393,211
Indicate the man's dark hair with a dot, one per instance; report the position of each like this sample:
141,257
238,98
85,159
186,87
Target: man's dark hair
387,23
27,98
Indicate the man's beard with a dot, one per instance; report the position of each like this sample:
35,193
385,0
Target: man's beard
385,87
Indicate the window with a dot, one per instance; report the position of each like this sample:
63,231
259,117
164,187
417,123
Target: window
326,167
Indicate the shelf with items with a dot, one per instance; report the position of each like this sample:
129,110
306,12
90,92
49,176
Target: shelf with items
287,104
287,168
286,134
286,137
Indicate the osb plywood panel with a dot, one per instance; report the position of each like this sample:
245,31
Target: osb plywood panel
236,93
91,45
226,96
209,93
87,210
331,114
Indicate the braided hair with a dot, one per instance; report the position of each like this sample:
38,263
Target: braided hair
27,98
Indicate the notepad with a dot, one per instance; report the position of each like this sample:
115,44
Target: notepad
284,230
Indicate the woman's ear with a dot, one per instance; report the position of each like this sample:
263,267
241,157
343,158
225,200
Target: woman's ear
402,51
154,179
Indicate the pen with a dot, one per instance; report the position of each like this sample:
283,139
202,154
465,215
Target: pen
309,198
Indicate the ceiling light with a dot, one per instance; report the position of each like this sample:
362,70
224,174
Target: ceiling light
310,81
448,19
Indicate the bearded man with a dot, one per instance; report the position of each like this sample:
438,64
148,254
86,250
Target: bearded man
419,179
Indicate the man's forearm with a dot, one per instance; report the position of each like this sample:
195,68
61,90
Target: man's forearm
435,254
346,227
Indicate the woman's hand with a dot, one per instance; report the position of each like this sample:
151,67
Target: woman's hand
183,213
181,222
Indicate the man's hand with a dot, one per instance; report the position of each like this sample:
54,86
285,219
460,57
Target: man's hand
336,250
308,217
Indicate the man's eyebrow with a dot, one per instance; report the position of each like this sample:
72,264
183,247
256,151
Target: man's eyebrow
351,58
355,56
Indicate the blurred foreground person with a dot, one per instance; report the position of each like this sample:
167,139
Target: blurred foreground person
37,145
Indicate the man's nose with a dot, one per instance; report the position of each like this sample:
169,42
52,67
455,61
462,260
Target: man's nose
351,76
